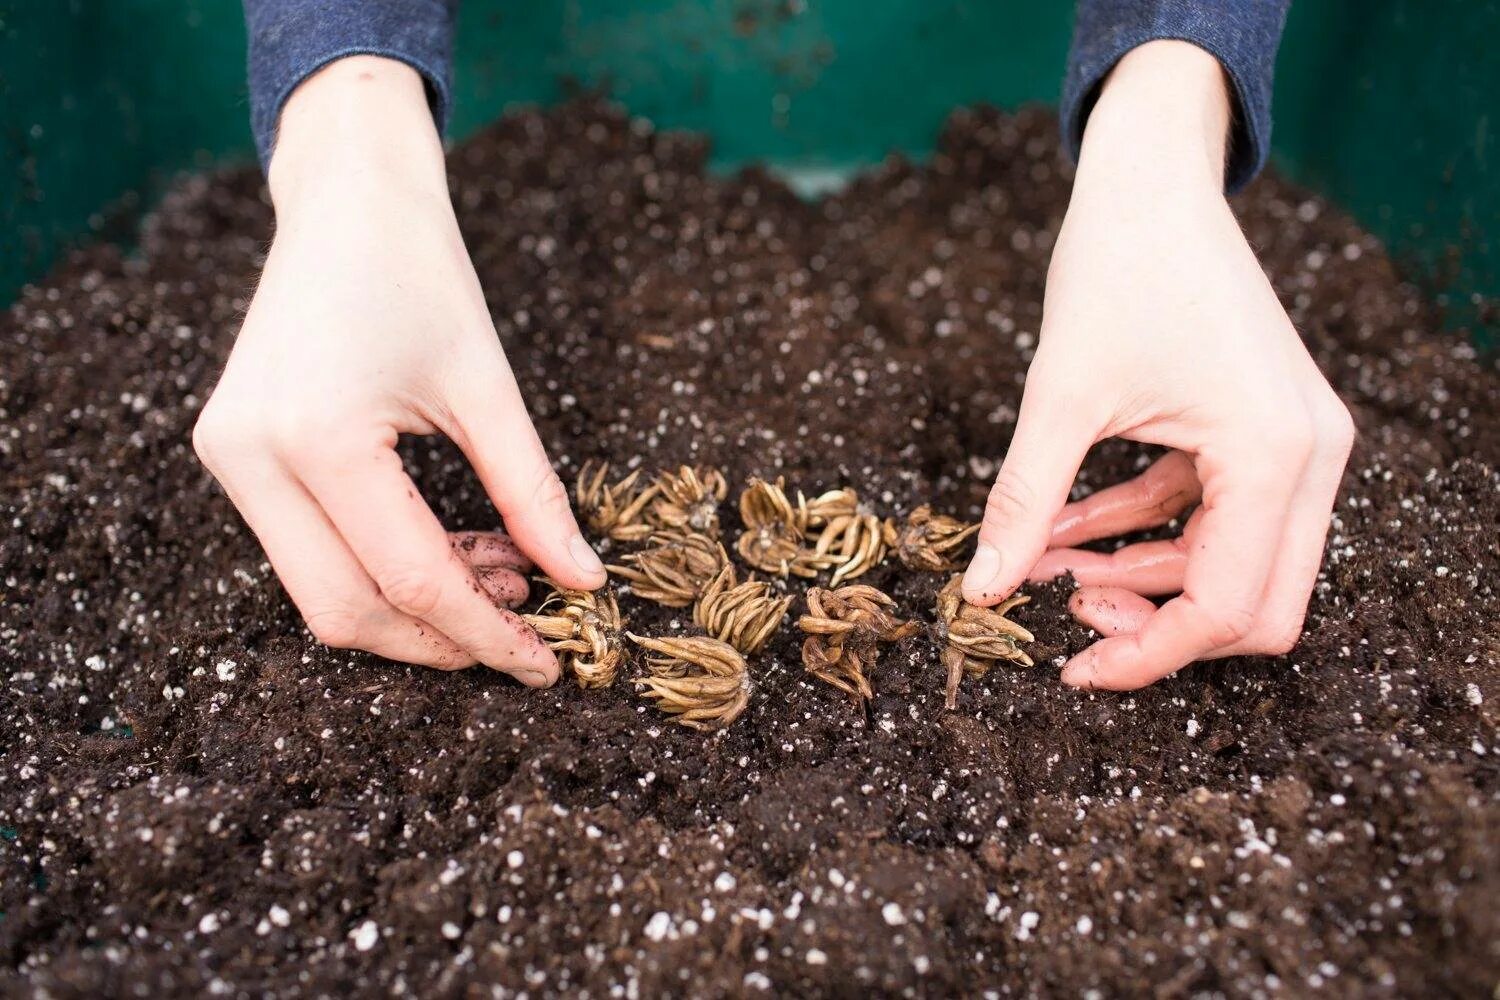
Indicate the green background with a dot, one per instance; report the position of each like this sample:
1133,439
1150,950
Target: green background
1384,105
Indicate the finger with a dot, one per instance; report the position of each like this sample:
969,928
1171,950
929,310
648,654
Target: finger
1295,571
505,587
1110,611
1148,568
1247,492
1030,489
339,602
495,432
1166,489
490,548
377,510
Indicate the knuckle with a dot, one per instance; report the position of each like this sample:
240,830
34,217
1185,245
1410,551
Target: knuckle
1281,639
308,431
415,591
217,435
1289,440
1010,497
1166,495
1231,627
336,627
1337,426
205,442
550,494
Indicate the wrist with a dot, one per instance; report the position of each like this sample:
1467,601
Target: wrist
1162,118
359,127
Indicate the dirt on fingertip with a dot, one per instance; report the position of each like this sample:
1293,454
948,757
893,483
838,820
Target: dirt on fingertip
197,799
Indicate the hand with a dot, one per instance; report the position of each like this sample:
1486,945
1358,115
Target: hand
369,322
1160,327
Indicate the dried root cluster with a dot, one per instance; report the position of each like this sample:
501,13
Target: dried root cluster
703,680
688,500
674,568
974,638
685,499
834,531
745,615
775,530
928,542
844,627
846,532
583,629
614,510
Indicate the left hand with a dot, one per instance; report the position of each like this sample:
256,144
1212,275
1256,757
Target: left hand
1160,327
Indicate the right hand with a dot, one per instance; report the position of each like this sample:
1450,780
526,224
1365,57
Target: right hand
1161,327
369,322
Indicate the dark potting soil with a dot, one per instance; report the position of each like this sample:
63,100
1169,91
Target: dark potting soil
195,798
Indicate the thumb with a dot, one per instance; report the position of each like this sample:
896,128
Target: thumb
496,435
1031,488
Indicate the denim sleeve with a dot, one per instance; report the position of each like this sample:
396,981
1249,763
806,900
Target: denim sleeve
292,39
1242,34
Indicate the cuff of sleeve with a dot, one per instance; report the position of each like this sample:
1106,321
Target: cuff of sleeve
289,40
1243,37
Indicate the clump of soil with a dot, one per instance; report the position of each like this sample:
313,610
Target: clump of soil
194,797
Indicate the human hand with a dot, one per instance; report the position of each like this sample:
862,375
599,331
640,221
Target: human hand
1160,327
369,322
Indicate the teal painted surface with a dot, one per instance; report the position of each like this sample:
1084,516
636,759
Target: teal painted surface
101,101
838,82
1385,105
1391,107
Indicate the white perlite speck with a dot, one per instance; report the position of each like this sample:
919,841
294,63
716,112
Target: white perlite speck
365,935
209,923
1192,728
724,882
451,931
515,859
815,956
225,669
658,926
1472,693
279,916
891,912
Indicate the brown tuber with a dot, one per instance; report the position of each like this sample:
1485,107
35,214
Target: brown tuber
688,500
976,638
843,629
774,527
674,569
745,615
702,681
928,541
844,532
617,511
583,629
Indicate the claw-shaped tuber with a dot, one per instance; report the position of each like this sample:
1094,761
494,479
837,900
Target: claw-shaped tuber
702,681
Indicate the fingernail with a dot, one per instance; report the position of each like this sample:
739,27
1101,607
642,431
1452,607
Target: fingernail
535,678
982,570
584,555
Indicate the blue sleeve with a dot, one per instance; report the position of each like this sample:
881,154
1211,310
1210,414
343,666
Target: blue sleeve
292,39
1242,34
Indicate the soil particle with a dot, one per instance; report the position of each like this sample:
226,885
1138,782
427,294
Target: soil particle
196,798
